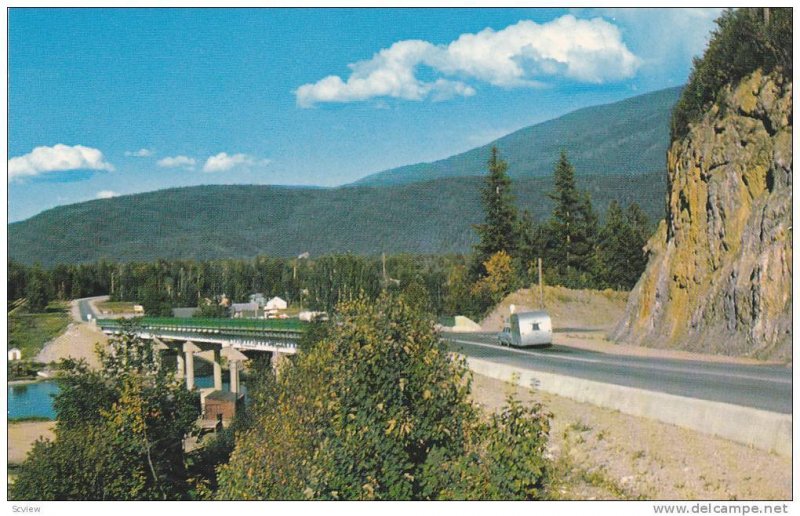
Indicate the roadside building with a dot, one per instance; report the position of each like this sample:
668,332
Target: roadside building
222,405
274,306
244,310
184,313
258,298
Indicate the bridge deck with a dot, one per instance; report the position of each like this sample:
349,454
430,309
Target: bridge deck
196,323
257,334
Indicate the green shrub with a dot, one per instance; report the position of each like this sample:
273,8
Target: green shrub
378,409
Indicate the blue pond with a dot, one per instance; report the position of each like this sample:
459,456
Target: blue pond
36,399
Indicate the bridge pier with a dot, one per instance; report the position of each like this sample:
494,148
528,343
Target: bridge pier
190,349
217,371
234,357
181,368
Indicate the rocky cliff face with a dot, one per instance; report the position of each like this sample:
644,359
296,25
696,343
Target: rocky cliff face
719,275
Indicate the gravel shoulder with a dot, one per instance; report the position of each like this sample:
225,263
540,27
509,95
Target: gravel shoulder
604,454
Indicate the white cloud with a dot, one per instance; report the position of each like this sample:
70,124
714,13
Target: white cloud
177,161
57,158
662,38
521,55
224,161
141,153
106,194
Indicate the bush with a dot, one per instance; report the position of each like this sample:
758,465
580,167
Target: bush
378,409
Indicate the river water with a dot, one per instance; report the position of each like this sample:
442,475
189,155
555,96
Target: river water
36,399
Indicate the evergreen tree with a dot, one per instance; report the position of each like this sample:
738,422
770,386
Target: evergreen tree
499,231
533,243
573,228
621,259
36,291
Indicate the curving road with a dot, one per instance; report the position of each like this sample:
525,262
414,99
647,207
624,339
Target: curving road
85,308
766,387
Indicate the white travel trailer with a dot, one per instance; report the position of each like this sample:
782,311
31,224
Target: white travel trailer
527,329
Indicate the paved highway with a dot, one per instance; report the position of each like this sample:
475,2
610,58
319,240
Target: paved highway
85,308
766,387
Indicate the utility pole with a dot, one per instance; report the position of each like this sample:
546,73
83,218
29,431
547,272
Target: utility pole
383,264
541,289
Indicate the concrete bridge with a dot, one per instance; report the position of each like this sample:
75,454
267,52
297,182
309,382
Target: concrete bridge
211,339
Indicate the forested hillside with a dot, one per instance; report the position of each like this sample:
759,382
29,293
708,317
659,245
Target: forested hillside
244,221
626,137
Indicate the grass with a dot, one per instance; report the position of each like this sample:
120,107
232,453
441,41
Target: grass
579,426
30,331
115,307
28,419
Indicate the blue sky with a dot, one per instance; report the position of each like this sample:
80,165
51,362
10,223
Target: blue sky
106,102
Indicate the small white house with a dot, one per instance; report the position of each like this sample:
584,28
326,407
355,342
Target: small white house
274,305
138,310
14,354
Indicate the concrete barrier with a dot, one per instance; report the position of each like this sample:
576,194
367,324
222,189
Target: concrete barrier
769,431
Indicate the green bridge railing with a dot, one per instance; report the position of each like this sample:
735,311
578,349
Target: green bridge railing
235,326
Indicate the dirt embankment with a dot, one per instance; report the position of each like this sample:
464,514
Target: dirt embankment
604,454
78,341
583,309
584,318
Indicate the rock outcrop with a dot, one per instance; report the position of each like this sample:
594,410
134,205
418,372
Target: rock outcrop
719,274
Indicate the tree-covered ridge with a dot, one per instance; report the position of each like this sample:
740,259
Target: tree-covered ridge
574,250
745,40
626,137
214,222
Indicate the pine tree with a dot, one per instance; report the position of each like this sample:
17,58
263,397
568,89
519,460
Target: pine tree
641,229
499,232
36,290
620,255
532,243
573,227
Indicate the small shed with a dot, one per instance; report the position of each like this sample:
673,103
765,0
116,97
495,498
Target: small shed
275,304
222,405
244,310
138,310
184,313
14,354
258,298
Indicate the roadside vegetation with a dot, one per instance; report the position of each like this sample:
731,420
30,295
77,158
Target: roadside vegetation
377,409
119,432
115,307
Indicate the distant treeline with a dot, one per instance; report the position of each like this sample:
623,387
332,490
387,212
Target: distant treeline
317,283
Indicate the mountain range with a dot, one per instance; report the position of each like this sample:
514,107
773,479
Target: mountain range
626,137
618,151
